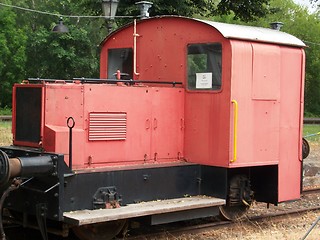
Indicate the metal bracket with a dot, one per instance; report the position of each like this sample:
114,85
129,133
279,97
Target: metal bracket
41,211
106,197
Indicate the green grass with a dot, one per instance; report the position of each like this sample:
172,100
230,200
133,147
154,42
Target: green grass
5,111
311,129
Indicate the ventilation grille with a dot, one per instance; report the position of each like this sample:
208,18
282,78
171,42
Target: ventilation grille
107,126
28,114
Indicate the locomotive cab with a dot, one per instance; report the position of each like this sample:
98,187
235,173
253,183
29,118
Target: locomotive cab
242,98
183,107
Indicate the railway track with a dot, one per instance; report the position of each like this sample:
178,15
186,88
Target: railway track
175,230
207,227
311,190
5,118
311,120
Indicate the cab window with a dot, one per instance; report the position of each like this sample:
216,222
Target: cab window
204,66
120,59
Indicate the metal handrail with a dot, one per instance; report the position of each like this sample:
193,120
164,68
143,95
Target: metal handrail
235,130
135,35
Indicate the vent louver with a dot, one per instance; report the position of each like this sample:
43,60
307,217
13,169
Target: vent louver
107,126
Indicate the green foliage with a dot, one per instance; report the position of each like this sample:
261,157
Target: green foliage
30,49
241,9
61,56
304,25
12,54
5,111
245,10
310,115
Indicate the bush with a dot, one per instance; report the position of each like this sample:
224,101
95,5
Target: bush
5,111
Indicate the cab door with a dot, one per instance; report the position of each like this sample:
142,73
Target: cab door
207,108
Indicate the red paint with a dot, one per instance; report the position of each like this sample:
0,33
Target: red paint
169,124
266,79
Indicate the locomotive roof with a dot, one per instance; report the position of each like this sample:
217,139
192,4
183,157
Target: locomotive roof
242,32
254,33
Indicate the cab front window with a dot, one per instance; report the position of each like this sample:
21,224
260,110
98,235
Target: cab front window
204,66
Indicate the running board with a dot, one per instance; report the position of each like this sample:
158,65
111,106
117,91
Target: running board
158,208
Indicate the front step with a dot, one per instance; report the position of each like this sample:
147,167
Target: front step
157,208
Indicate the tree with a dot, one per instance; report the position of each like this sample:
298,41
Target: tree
59,56
247,10
241,9
32,50
306,26
12,54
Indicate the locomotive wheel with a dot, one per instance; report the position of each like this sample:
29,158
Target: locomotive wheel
233,213
99,231
305,148
239,200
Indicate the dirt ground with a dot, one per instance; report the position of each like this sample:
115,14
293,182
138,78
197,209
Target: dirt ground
291,228
311,166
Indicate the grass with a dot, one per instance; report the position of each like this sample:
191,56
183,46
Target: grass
311,129
5,134
5,111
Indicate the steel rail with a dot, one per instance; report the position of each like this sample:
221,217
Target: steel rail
200,228
177,230
5,118
311,120
310,190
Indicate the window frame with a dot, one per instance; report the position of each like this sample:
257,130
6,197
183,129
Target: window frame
219,47
110,73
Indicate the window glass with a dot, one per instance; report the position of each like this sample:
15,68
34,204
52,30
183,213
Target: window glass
120,59
204,66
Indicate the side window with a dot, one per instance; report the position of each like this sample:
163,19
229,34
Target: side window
120,59
204,66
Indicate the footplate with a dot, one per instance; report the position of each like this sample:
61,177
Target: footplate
83,217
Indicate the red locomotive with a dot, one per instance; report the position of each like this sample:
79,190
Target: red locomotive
202,116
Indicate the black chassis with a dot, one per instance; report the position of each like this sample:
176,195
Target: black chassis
65,190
